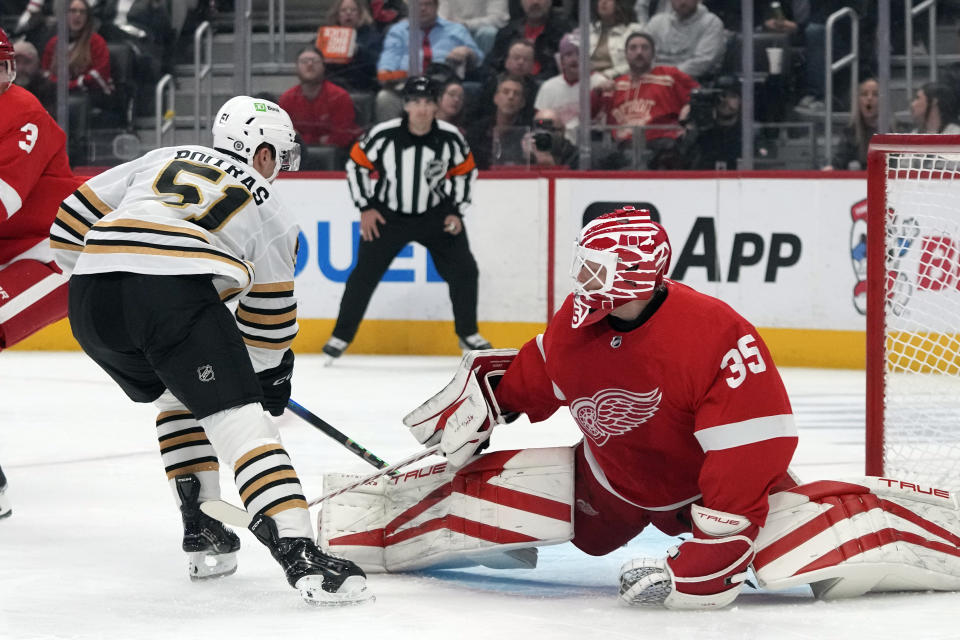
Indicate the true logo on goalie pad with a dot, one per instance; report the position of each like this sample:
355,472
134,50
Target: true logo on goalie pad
931,491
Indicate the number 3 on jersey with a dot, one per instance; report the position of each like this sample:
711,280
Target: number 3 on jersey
737,361
30,138
233,197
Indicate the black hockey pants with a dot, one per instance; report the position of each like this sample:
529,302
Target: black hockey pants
451,255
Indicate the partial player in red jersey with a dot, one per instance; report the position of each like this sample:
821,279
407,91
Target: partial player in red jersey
35,177
686,427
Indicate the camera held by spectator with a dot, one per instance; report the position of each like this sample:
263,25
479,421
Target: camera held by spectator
547,145
703,107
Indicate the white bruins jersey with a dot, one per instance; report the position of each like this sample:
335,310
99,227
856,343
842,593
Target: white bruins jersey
190,210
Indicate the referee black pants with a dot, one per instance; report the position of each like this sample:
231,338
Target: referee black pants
451,255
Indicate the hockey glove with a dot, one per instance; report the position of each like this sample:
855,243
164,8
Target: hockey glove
705,572
275,384
462,415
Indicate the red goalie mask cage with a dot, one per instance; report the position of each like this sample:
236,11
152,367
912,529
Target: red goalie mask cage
913,308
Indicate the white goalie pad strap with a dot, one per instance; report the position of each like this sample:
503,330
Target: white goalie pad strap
846,538
435,516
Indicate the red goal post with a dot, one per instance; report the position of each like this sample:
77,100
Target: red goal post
913,308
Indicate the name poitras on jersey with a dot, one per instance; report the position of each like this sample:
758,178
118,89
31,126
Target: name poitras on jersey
259,193
180,210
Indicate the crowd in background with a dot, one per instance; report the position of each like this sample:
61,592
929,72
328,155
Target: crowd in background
665,83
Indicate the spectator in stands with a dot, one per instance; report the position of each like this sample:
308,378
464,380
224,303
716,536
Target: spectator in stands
518,65
547,145
483,18
612,23
648,96
88,56
360,72
498,139
689,38
815,38
322,113
646,9
934,109
451,102
443,41
851,153
29,72
713,137
387,12
561,94
541,27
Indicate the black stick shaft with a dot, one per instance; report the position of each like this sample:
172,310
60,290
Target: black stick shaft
333,432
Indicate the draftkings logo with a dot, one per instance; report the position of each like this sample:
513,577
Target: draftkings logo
613,412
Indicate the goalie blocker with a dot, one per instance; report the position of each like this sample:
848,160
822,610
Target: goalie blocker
844,539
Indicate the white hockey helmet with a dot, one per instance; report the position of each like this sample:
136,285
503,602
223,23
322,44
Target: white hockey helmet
618,257
244,123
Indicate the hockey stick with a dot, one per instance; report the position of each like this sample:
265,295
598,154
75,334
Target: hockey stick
373,476
333,432
234,515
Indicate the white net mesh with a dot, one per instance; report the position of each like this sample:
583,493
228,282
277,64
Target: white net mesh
922,317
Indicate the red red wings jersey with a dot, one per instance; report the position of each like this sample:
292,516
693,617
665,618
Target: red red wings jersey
688,406
35,175
656,99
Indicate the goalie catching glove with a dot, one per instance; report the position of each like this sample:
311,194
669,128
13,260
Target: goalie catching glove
705,572
462,415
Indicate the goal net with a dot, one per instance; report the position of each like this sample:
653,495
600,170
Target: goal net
913,309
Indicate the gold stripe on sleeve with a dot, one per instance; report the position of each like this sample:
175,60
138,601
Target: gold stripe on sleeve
263,318
273,287
94,199
151,226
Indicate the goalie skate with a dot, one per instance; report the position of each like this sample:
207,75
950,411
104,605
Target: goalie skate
211,547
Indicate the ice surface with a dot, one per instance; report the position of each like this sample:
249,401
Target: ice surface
92,549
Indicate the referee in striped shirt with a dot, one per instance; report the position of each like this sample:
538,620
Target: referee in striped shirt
412,179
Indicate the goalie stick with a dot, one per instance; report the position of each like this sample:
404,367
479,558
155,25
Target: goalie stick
327,428
237,517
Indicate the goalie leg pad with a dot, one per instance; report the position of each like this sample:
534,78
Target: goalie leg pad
32,295
871,534
438,517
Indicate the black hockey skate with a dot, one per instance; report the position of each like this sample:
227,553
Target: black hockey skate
321,579
211,547
476,342
333,350
5,507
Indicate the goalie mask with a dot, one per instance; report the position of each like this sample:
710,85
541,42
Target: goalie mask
8,62
619,257
244,123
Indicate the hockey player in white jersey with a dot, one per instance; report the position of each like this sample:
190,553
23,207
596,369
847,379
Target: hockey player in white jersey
159,250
